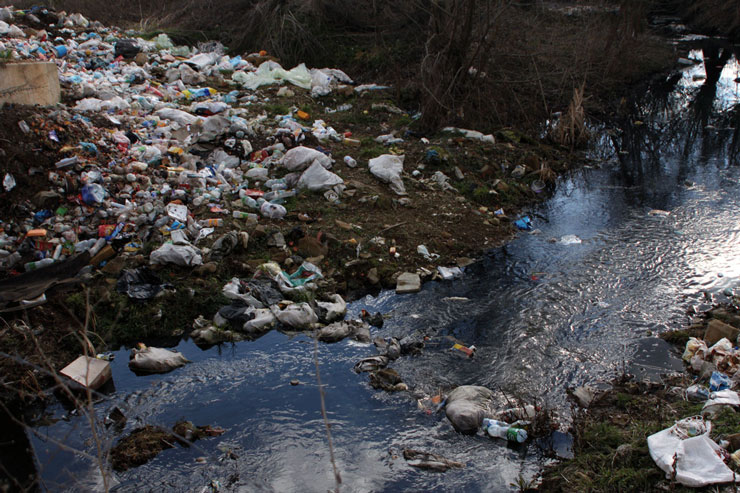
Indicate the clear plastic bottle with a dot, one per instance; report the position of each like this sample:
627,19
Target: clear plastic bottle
500,429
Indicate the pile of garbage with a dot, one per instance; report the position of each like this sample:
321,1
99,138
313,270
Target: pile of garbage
166,157
685,450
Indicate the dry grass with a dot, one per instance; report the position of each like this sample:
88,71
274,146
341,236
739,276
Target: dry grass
481,64
571,129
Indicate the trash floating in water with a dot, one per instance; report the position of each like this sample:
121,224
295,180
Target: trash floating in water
525,223
468,351
570,240
658,213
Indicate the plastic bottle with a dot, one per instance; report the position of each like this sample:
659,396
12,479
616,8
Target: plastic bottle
500,429
38,264
279,195
350,161
249,216
250,202
211,222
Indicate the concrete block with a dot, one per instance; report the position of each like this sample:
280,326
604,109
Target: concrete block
29,83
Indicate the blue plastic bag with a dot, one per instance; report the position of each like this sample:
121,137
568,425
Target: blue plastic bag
524,223
719,381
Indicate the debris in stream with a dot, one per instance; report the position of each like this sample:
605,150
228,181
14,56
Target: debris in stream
429,461
387,379
466,407
88,372
145,359
145,443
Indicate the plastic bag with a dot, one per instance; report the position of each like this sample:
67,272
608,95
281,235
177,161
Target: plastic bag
296,315
471,134
388,168
466,407
270,72
263,320
179,116
330,311
168,253
272,211
93,194
721,398
155,360
163,42
696,460
233,290
692,346
139,284
337,331
304,275
299,158
318,179
177,211
719,381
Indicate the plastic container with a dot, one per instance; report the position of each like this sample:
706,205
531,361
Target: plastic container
350,161
500,429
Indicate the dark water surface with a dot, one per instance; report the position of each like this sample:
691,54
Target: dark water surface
544,315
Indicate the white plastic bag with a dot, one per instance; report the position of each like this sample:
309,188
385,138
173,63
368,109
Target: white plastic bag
300,158
179,116
388,168
272,211
184,255
177,211
696,461
155,360
271,72
232,290
334,310
263,320
721,398
692,346
318,179
296,315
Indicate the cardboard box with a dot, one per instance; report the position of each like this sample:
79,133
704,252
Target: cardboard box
88,372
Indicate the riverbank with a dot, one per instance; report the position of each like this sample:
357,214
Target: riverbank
461,195
373,234
610,434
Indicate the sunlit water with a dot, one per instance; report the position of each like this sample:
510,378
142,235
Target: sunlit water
545,316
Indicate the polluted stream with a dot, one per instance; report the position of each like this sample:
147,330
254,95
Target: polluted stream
620,253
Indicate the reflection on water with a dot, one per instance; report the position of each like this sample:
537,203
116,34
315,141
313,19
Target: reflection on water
544,316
